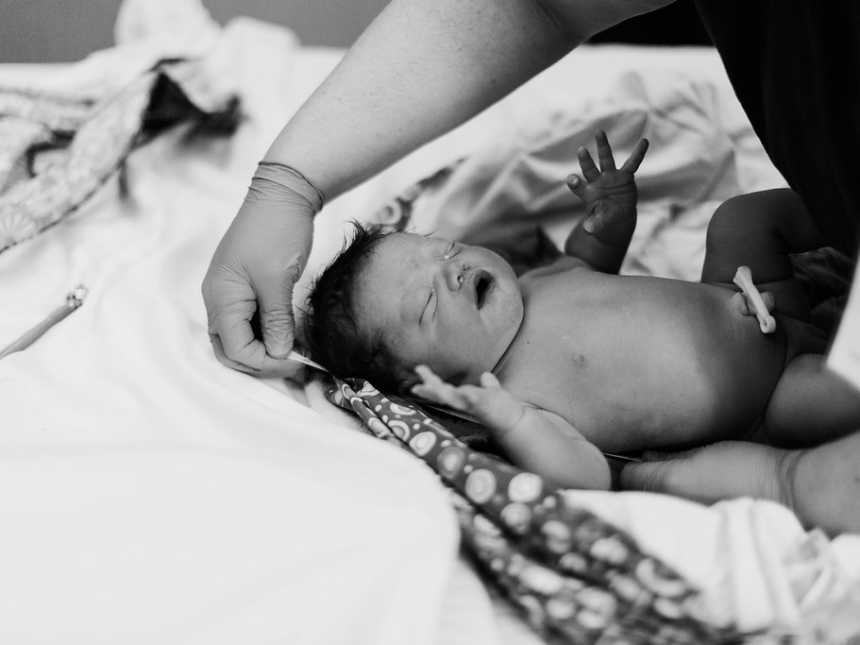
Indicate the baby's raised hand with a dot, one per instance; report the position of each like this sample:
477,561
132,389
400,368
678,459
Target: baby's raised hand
609,193
489,402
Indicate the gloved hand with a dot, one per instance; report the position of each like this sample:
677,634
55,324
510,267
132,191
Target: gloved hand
255,268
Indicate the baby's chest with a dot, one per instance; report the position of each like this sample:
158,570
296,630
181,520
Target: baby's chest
555,368
633,371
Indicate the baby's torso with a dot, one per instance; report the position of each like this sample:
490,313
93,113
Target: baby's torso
637,363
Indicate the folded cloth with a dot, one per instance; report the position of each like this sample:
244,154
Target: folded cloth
56,150
575,577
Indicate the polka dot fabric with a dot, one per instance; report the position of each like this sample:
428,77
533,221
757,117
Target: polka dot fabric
575,577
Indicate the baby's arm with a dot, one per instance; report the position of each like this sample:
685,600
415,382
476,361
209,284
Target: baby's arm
758,230
536,440
602,238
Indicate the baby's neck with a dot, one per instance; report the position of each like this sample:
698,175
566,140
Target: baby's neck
506,352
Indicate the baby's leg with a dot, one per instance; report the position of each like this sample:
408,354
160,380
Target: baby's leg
759,230
810,405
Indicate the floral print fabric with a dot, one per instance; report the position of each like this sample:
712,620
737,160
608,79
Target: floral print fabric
57,149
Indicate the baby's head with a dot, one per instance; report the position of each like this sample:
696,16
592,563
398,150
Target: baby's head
392,301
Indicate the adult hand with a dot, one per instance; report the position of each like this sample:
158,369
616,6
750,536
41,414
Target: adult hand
708,474
254,270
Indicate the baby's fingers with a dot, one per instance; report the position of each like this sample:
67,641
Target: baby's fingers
586,164
577,186
636,157
435,389
445,395
604,152
488,379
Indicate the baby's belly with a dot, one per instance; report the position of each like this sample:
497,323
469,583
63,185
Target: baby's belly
657,364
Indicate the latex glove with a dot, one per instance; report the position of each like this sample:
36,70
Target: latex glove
254,270
708,474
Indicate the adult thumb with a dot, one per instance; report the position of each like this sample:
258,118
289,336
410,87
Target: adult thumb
275,298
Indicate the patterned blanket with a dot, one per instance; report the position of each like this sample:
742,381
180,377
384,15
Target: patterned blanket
575,577
56,150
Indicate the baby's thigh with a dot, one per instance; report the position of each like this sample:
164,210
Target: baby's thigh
810,405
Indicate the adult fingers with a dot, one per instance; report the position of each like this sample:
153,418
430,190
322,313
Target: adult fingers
231,304
586,164
248,275
218,350
636,157
270,367
253,359
275,295
604,152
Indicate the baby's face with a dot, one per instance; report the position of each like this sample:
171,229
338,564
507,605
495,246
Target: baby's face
453,307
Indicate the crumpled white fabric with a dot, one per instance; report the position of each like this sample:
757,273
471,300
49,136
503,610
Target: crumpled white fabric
147,494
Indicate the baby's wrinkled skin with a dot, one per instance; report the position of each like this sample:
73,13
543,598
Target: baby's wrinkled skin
569,360
422,294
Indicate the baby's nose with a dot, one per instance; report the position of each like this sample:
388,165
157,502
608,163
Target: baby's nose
455,276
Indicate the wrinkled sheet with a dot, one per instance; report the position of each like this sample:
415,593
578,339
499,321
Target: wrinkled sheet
148,494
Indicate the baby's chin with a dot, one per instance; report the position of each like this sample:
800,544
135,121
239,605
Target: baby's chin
502,314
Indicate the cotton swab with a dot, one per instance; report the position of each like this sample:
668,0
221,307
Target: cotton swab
743,278
74,299
304,360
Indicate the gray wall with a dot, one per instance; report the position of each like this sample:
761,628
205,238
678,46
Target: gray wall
66,30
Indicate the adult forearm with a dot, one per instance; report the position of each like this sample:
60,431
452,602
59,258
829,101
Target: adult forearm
420,69
822,484
423,67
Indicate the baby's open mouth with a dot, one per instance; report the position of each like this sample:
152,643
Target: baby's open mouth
483,285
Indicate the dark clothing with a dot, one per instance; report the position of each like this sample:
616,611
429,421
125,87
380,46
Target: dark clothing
795,67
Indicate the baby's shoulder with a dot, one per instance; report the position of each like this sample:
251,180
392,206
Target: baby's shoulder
563,264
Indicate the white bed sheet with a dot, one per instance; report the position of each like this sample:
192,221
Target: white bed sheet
147,494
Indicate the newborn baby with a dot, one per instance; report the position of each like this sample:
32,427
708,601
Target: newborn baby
571,359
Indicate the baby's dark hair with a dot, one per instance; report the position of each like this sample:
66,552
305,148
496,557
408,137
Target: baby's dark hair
332,332
336,341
